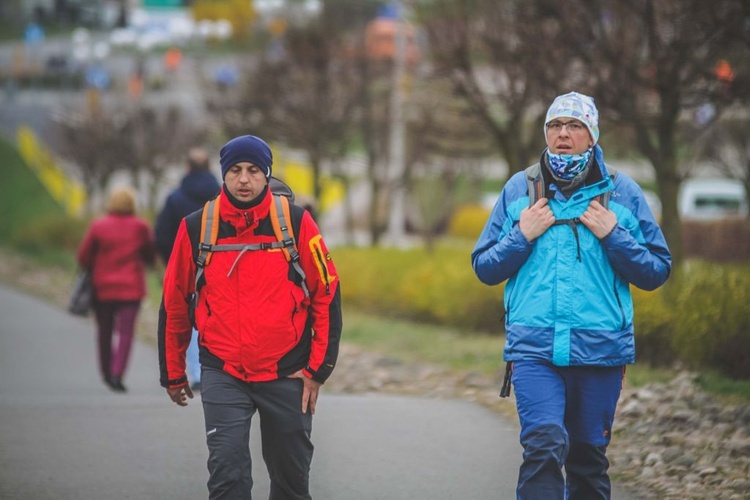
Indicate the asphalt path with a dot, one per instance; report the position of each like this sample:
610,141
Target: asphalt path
64,435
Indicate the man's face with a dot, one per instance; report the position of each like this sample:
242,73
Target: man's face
568,136
245,181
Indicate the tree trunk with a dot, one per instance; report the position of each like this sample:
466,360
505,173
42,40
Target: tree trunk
376,227
668,185
348,211
317,187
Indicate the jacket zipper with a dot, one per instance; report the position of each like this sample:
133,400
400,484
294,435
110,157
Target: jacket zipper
325,270
619,303
294,325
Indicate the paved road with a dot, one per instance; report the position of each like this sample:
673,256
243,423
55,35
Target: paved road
63,435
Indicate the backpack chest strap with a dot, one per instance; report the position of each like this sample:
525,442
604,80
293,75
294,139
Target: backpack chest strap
281,221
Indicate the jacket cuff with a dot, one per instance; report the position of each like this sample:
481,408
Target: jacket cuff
310,373
175,382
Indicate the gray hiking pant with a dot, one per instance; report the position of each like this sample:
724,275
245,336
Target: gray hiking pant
228,406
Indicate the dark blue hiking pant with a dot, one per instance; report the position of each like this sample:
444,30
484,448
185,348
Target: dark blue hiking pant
566,416
228,406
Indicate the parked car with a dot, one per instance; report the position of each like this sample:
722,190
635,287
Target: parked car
707,199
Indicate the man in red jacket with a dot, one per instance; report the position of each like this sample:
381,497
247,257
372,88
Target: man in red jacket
267,342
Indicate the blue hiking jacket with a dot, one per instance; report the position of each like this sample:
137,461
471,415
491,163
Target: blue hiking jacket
561,309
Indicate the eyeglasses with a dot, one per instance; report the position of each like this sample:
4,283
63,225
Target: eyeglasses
572,126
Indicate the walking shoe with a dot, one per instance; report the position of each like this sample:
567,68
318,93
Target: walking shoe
115,384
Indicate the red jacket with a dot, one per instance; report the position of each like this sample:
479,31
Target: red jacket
254,320
117,249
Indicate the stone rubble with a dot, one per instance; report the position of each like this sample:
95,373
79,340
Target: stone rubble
670,440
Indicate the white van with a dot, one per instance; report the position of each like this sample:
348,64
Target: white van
707,199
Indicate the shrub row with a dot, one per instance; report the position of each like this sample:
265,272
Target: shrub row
700,318
438,286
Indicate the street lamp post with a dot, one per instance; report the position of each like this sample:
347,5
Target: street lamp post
397,215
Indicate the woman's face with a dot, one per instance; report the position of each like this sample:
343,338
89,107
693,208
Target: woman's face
568,136
245,181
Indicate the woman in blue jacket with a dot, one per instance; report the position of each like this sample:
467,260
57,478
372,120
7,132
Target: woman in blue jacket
569,258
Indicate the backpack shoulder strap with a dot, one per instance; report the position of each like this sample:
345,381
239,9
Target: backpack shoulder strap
209,233
604,197
281,220
535,183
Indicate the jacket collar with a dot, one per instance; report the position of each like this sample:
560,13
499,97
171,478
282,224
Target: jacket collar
597,180
244,218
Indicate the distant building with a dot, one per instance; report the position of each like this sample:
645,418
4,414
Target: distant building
74,12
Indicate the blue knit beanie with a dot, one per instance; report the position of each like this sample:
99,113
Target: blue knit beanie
246,148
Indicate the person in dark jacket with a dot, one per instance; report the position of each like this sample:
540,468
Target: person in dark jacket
269,329
116,250
196,187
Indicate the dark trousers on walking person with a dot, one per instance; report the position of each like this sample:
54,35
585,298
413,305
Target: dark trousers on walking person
228,406
115,322
566,416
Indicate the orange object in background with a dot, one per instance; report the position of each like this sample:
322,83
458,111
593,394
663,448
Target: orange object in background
172,58
135,86
724,71
380,40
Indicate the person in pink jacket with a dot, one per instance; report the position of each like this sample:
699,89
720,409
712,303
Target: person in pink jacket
116,250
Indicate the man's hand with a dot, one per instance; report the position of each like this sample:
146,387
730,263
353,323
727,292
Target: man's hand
599,220
536,219
309,391
180,394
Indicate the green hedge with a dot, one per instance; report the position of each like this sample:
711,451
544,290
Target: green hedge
712,317
438,286
55,231
700,318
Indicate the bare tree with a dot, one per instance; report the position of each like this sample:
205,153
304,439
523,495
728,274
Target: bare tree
152,140
727,145
374,95
302,96
505,58
444,141
650,65
88,142
322,94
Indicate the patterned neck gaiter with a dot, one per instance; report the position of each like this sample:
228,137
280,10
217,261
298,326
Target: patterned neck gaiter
566,167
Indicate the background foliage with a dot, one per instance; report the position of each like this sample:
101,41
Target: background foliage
700,318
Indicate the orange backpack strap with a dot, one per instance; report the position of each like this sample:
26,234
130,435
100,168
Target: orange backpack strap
282,228
281,220
209,233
